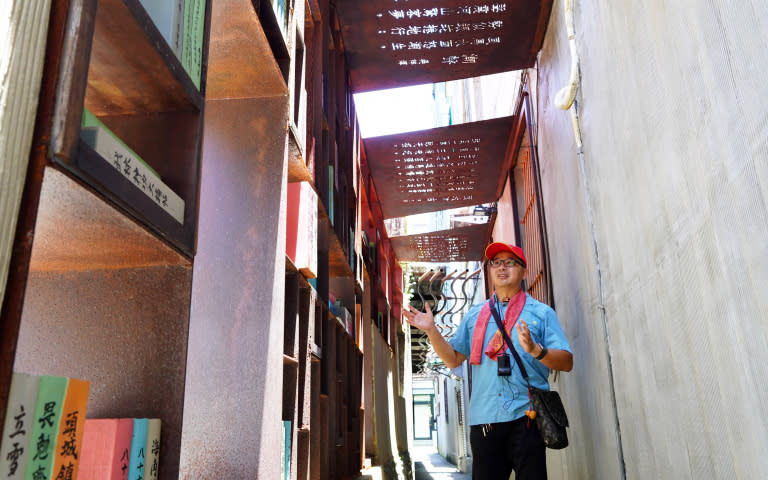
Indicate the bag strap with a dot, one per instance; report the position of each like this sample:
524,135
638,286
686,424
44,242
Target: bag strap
505,335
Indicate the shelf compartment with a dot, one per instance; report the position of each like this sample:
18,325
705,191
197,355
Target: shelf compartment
298,170
97,172
338,265
240,62
275,35
132,68
107,302
96,236
118,66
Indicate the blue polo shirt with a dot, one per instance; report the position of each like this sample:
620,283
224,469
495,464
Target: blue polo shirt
501,399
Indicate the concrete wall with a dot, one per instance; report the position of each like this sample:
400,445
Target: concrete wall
658,233
385,447
504,228
452,436
447,419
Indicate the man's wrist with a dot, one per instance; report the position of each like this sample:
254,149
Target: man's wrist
432,330
542,352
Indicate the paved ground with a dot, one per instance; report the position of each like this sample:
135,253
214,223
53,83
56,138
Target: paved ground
428,465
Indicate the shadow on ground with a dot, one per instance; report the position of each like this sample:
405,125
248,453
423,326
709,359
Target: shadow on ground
429,465
420,472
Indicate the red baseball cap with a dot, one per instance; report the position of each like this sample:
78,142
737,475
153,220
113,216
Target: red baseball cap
493,249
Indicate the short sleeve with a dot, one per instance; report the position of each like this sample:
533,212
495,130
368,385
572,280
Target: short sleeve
554,337
462,339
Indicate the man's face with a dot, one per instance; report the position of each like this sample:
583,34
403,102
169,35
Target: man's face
503,276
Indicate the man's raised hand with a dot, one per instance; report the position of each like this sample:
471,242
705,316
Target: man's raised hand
421,320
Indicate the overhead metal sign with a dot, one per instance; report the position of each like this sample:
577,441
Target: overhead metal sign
463,244
441,168
394,43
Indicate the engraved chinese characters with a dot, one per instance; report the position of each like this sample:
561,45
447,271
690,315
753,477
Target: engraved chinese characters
392,43
460,34
447,167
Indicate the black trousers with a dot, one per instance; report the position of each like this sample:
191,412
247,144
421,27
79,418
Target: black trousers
500,448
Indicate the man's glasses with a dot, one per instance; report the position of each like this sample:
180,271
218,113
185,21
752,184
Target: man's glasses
507,262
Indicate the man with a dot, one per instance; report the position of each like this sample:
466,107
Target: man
502,436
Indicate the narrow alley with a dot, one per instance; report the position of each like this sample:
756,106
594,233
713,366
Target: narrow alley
219,218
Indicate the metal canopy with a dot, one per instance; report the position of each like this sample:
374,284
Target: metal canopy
462,244
394,43
441,168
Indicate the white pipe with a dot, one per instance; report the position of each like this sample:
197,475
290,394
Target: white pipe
566,96
576,128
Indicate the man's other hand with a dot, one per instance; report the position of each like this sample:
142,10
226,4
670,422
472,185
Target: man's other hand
422,320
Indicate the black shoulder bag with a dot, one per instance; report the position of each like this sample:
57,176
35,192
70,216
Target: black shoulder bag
550,413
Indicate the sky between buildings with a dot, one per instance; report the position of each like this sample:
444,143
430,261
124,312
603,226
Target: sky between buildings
398,110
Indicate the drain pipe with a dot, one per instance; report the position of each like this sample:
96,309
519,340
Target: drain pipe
565,99
567,95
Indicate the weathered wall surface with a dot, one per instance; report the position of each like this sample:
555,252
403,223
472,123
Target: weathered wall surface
452,427
368,398
385,441
663,221
237,309
447,419
504,228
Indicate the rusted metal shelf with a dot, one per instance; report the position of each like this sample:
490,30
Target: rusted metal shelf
241,63
116,64
297,167
132,68
338,266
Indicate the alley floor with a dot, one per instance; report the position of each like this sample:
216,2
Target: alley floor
429,465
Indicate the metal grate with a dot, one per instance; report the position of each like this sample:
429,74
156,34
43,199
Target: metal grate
441,168
462,244
392,44
532,232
